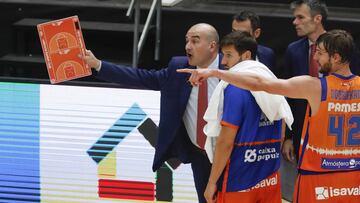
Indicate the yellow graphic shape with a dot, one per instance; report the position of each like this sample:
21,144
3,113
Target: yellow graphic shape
68,70
62,43
107,167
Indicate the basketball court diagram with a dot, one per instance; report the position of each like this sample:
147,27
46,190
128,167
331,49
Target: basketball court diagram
62,43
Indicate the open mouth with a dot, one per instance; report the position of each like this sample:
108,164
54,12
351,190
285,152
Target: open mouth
189,55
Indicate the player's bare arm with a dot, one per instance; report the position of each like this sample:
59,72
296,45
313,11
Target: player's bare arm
301,87
223,149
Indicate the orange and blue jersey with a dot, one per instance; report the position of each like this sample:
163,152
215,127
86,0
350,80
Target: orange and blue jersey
329,164
256,152
331,138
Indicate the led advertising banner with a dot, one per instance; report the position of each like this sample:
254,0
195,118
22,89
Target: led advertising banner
84,144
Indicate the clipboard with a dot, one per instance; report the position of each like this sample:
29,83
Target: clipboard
62,42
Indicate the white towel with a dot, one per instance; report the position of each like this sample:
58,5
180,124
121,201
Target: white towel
275,107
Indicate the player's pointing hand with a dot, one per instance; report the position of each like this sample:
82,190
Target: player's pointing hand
197,75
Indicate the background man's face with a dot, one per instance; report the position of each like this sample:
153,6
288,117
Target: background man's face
303,22
244,26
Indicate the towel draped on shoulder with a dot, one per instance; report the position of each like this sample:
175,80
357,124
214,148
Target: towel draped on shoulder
275,107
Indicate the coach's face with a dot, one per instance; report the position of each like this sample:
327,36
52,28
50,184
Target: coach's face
199,48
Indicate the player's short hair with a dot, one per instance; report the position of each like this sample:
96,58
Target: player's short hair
242,41
338,41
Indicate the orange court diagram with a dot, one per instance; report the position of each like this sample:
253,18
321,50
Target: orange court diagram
62,42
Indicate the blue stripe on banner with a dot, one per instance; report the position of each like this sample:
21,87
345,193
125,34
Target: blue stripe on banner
118,131
22,122
22,184
126,123
115,134
18,116
19,110
19,142
18,172
19,178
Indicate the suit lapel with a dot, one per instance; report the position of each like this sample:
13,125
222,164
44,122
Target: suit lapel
221,67
186,90
305,63
259,53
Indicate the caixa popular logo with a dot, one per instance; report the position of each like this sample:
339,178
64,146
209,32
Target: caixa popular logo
324,193
263,154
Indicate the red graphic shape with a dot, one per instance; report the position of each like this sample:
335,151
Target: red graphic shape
124,189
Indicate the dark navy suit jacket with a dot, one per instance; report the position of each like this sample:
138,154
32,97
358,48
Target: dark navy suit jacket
296,64
267,57
173,140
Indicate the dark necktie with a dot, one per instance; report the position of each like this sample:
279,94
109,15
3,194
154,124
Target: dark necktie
313,66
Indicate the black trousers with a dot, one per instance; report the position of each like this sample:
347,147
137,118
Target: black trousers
201,168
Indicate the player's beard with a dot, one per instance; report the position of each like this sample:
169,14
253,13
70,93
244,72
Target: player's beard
326,68
240,60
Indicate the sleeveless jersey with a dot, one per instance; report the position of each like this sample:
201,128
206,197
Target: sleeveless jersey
256,152
331,138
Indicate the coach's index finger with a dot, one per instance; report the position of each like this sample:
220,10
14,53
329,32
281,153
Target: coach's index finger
185,70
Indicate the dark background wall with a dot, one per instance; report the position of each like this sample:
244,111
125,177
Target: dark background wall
276,21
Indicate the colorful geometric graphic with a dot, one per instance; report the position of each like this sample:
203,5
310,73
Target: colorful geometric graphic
112,188
132,190
120,129
84,144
